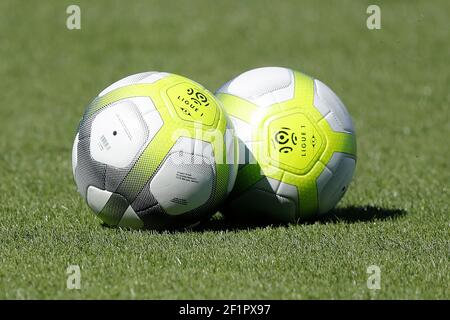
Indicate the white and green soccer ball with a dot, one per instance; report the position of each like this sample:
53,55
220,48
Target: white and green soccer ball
153,151
297,145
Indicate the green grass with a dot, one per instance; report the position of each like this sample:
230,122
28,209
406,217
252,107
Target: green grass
394,81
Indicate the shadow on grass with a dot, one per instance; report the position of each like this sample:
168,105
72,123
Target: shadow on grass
221,223
352,214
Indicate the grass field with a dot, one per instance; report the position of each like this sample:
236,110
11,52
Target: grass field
394,81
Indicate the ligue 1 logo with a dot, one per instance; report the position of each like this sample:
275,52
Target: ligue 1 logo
284,140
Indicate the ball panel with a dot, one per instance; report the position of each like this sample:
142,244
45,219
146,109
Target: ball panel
149,121
183,183
110,207
262,86
156,218
344,142
144,77
111,175
331,107
238,107
144,199
267,184
243,131
334,122
289,191
130,220
118,133
97,198
232,154
114,209
334,180
247,176
322,181
293,141
114,177
280,188
88,172
263,205
75,153
192,103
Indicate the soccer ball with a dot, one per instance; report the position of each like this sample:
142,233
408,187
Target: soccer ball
154,150
297,144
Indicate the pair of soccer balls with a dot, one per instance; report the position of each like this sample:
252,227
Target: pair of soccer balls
157,150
